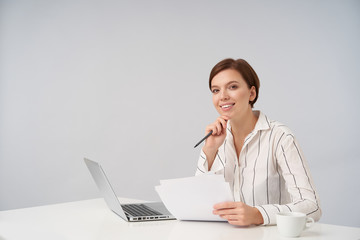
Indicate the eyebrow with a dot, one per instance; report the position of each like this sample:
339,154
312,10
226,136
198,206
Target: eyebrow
213,86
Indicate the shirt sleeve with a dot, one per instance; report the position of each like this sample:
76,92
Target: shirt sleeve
298,182
202,166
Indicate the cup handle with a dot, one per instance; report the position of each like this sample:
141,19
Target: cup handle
309,222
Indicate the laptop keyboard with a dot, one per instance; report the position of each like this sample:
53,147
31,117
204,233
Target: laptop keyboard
139,210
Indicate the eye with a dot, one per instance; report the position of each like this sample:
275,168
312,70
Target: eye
215,90
233,86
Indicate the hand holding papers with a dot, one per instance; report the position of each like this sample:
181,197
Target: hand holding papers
193,198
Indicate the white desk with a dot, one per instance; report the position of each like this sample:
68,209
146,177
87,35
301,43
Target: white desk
91,219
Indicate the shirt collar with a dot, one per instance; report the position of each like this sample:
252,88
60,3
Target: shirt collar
262,123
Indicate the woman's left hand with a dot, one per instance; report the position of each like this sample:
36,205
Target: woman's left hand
238,213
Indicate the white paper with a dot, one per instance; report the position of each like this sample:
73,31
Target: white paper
193,198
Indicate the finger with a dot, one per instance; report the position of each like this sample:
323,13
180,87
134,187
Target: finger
238,222
226,211
224,205
229,218
223,122
211,128
219,127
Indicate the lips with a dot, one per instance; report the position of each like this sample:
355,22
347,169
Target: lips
227,106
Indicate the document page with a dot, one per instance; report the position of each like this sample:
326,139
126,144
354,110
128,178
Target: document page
193,198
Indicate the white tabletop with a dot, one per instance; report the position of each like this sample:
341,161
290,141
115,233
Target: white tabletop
91,219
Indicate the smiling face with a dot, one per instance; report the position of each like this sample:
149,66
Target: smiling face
231,94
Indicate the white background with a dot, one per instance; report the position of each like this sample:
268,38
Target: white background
126,83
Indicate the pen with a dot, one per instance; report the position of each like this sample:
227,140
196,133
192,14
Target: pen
207,135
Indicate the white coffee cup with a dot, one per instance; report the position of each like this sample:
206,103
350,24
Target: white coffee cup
291,224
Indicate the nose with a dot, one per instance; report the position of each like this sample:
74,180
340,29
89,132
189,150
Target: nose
224,95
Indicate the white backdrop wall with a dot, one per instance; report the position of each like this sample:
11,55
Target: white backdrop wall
125,83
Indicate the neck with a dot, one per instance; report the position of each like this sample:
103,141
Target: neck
242,126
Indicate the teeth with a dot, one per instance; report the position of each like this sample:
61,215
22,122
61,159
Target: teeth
226,106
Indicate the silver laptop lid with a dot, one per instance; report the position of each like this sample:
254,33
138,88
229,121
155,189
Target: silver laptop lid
105,188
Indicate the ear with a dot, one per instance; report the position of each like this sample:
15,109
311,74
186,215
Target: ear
252,93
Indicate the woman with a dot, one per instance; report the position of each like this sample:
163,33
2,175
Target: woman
260,158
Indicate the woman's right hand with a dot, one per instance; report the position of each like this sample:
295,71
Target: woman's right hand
218,136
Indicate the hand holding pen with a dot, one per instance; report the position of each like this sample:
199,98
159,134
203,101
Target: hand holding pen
216,134
217,131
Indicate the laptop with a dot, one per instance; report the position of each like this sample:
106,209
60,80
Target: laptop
138,212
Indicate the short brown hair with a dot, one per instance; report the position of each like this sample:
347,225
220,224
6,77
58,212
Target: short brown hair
241,66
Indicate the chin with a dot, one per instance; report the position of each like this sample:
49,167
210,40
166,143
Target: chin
226,114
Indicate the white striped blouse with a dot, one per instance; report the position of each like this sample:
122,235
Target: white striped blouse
271,173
